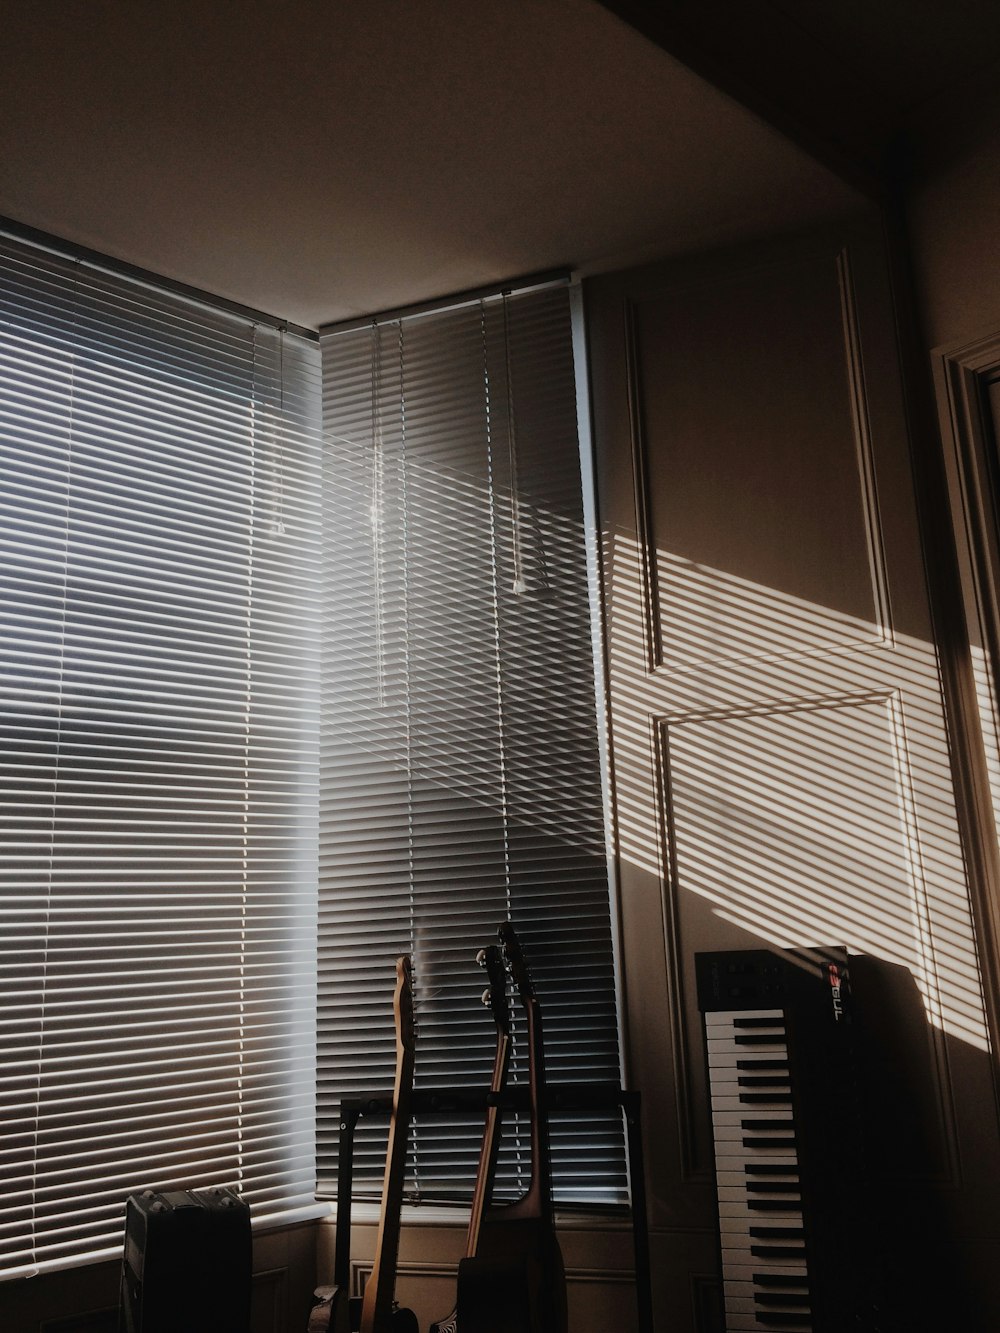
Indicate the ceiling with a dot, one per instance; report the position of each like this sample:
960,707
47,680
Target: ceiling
881,89
324,160
321,160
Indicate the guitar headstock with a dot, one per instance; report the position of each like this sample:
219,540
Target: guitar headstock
514,959
402,1004
495,994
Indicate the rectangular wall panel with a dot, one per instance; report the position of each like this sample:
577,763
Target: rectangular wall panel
752,390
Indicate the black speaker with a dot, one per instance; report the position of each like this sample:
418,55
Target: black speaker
187,1263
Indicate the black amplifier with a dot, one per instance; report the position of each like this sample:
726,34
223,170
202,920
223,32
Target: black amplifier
187,1263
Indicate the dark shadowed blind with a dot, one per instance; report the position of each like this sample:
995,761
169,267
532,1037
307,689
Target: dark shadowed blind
460,767
158,555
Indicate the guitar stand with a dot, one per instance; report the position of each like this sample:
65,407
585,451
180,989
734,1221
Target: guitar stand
562,1098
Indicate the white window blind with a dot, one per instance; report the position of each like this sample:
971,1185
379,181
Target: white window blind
460,767
158,549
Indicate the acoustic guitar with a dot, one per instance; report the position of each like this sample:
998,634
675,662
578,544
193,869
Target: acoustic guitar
515,1282
495,996
379,1312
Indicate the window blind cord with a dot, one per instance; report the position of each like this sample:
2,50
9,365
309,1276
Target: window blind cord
498,660
247,723
376,512
408,722
278,445
519,584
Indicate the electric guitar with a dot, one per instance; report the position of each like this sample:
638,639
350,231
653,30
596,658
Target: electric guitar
379,1312
337,1312
495,996
515,1282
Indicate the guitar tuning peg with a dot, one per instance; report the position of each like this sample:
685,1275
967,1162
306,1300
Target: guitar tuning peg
481,957
487,997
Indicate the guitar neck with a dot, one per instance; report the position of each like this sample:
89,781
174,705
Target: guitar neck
377,1307
536,1202
486,1169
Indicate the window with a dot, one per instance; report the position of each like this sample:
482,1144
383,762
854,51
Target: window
158,544
460,767
162,592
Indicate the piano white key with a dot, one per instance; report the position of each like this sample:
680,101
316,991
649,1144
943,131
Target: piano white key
739,1323
728,1017
752,1305
769,1040
735,1159
736,1259
739,1264
744,1272
726,1056
788,1217
763,1225
743,1231
747,1194
750,1108
739,1180
761,1141
748,1116
729,1031
728,1083
798,1288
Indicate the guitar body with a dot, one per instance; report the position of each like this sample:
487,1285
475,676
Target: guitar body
518,1285
403,1321
333,1313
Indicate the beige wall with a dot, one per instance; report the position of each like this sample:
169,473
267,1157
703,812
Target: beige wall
85,1300
954,223
780,752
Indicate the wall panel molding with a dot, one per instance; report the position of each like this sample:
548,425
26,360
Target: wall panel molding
861,415
668,583
869,717
959,379
270,1300
646,550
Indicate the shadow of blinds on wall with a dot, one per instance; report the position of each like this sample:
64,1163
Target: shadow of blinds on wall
460,765
158,554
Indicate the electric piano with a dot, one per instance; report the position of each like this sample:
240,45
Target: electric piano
797,1253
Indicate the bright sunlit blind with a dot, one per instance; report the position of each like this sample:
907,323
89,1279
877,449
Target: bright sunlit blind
460,775
158,473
